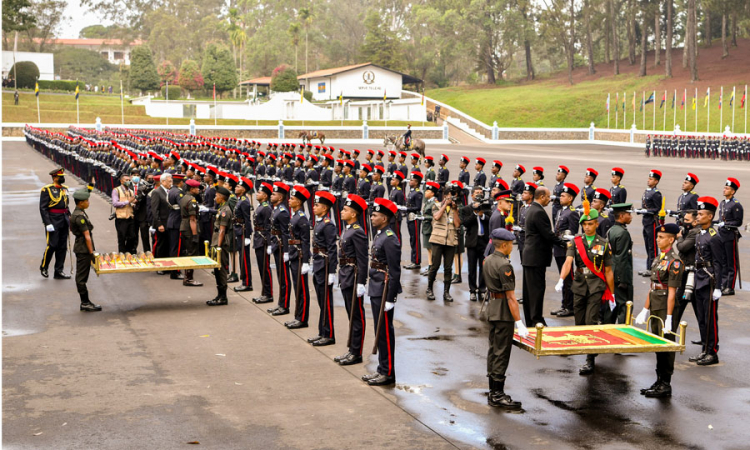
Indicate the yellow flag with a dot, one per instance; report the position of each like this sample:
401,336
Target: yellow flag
302,95
36,90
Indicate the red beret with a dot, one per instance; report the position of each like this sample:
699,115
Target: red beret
398,174
618,171
497,163
570,188
365,167
563,169
531,187
384,206
429,158
300,192
174,155
500,184
328,157
356,202
520,168
432,185
371,152
733,183
325,198
691,177
349,163
465,159
708,203
246,183
300,157
192,183
415,155
601,194
538,170
379,169
444,157
355,151
392,152
278,186
458,183
417,175
481,161
655,174
265,187
592,172
381,152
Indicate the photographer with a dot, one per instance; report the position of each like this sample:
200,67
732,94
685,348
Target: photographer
475,218
124,202
444,239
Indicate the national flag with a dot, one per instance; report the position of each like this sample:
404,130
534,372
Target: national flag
682,105
607,102
384,95
731,99
76,92
624,94
742,102
214,91
302,95
633,102
617,100
36,90
650,99
674,98
422,96
705,100
720,97
663,99
694,102
341,98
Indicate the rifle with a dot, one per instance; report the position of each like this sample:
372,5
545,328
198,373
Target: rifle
297,282
736,254
351,314
381,314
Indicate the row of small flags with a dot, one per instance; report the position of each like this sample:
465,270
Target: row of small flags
651,99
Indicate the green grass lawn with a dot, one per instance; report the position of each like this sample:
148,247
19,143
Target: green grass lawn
556,105
62,109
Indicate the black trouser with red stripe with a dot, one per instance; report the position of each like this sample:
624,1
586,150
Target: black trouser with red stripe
415,238
161,244
325,302
282,272
709,309
729,277
387,341
356,313
246,266
264,265
301,291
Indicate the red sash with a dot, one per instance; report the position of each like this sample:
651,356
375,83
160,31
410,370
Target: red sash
607,296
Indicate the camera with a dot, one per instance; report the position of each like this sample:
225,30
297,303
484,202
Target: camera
482,205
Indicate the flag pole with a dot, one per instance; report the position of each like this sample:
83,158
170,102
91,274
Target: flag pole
695,99
664,125
215,111
624,110
78,116
617,111
744,96
674,110
385,106
633,107
684,106
167,102
608,110
653,127
708,111
721,110
122,104
38,113
734,100
643,108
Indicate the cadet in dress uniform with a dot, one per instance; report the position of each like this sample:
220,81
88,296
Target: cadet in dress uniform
221,239
588,189
731,215
495,170
502,312
688,200
443,174
53,206
243,232
399,199
562,173
385,261
617,192
299,256
599,202
593,280
190,228
279,245
429,173
463,174
261,240
566,226
413,225
173,222
325,262
537,176
650,207
621,245
353,277
84,248
516,187
666,278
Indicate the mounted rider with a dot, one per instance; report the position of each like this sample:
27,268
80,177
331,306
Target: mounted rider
407,137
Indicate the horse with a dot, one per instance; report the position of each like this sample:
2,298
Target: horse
398,142
308,136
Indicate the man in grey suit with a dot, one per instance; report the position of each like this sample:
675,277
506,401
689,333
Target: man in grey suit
537,256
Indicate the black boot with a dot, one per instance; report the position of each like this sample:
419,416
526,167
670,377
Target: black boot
588,368
86,304
430,294
656,383
220,299
447,293
662,389
499,399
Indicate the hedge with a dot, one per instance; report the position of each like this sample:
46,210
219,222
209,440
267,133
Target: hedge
60,85
26,72
175,92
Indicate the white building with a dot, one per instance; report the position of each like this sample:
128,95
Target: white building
359,81
115,51
44,61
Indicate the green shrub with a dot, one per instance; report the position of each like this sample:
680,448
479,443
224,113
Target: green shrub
27,74
308,95
60,85
174,92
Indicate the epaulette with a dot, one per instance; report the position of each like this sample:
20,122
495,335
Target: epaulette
180,195
355,226
693,192
194,201
301,213
47,186
711,231
571,208
326,220
264,204
64,186
620,186
389,233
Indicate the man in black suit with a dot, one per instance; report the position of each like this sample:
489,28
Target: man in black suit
537,256
160,210
476,220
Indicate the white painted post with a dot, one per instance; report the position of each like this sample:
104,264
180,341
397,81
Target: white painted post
591,131
632,133
192,127
281,129
365,130
98,124
445,131
495,131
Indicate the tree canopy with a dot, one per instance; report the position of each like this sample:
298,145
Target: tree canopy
143,75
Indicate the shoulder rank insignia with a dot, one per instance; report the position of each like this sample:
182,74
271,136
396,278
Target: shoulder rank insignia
301,213
180,195
83,221
194,201
355,226
711,231
389,233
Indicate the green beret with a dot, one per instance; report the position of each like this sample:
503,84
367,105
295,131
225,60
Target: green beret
592,215
81,194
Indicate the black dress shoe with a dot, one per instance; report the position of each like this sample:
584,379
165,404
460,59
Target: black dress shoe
191,283
430,294
322,342
473,297
698,357
217,302
381,380
697,343
350,360
587,369
242,288
708,360
313,339
456,279
280,312
412,266
90,307
425,271
261,299
176,276
233,278
270,310
554,312
661,390
564,312
294,324
161,272
656,383
502,400
61,276
727,291
44,272
369,376
344,356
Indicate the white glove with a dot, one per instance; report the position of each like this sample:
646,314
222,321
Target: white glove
331,278
522,330
553,197
559,285
517,228
50,228
361,290
248,242
720,224
401,208
286,257
612,304
717,294
203,208
668,324
642,316
569,237
305,268
152,230
269,251
389,306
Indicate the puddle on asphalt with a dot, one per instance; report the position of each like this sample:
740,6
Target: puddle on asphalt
13,333
432,338
413,389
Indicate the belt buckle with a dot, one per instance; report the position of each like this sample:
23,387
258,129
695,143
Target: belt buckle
586,271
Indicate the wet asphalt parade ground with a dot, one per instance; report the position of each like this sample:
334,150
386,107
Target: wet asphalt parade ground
158,369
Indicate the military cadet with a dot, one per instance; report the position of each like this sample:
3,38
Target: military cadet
413,224
688,200
651,204
588,189
495,170
173,222
299,256
298,173
403,168
325,262
337,185
731,215
363,188
221,240
562,173
353,277
84,248
648,146
53,206
190,228
399,199
431,188
516,187
686,246
384,287
566,226
415,163
463,175
429,173
349,183
666,277
243,232
618,193
502,312
326,173
621,245
593,283
527,197
279,245
443,174
598,202
480,178
392,167
261,240
537,175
